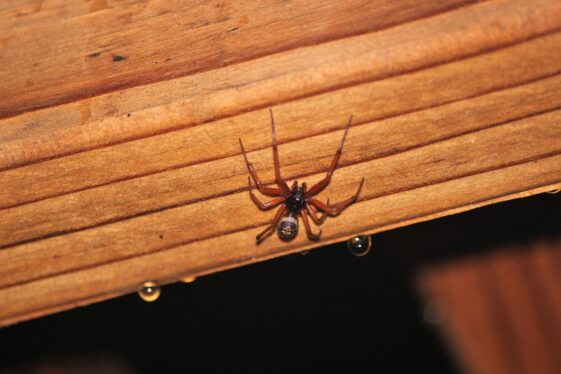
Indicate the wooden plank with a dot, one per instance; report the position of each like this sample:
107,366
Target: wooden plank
106,49
447,118
209,208
301,119
469,317
197,98
20,14
84,285
542,270
521,304
504,312
525,139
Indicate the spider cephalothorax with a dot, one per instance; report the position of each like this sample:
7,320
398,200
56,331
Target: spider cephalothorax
298,200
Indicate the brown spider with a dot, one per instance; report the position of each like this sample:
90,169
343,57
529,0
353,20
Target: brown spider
297,200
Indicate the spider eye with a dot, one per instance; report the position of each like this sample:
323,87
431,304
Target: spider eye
287,228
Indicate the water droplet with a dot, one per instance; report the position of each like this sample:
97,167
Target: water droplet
360,245
436,311
554,191
304,253
149,291
188,279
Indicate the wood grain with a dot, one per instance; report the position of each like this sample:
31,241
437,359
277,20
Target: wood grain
106,49
200,98
300,119
454,108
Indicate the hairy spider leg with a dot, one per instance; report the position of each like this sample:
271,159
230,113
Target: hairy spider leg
271,228
309,232
337,208
263,206
270,191
319,186
278,177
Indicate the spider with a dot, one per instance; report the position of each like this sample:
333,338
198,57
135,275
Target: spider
297,200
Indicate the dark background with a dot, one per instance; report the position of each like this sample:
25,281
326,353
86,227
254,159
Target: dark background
326,311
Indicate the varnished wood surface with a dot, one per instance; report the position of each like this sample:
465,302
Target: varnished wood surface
456,105
501,312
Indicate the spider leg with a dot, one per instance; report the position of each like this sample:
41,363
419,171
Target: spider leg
278,177
318,220
271,191
311,235
319,186
271,228
263,206
312,210
335,209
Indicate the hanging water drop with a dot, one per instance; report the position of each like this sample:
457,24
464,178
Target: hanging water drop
149,291
360,245
188,279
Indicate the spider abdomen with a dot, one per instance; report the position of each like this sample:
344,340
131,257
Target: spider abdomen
288,227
